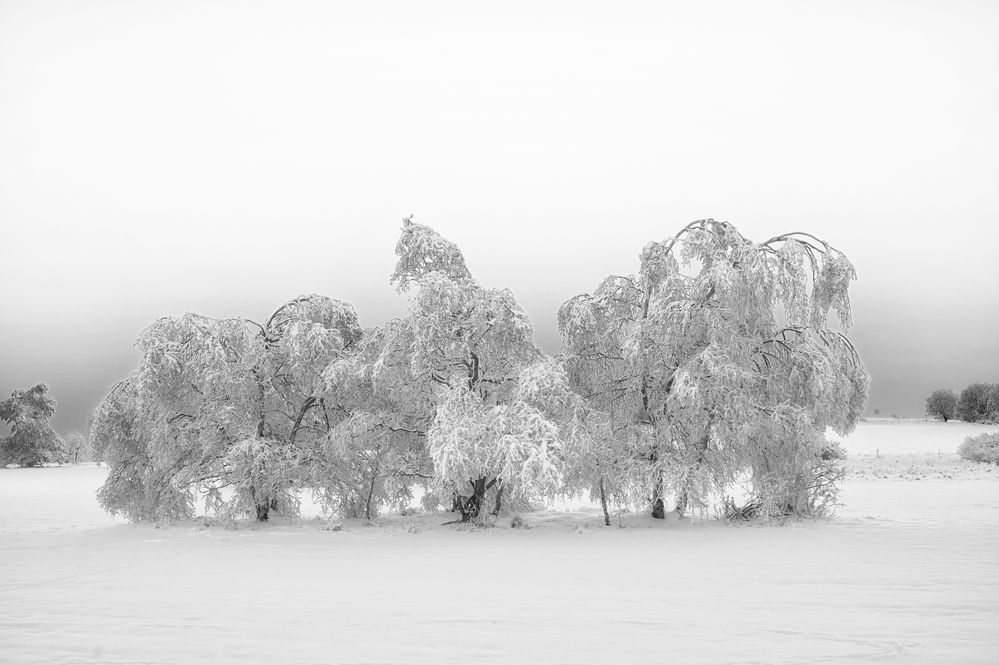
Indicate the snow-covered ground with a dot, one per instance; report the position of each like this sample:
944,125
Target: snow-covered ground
908,572
901,435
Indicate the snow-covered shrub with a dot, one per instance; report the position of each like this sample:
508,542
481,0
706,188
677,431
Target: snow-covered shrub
833,450
981,448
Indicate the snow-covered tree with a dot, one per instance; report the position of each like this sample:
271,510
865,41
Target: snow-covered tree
375,454
224,403
467,348
585,435
77,448
32,441
979,403
718,363
942,404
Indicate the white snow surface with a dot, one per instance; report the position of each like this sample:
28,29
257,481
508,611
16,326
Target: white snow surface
907,572
902,435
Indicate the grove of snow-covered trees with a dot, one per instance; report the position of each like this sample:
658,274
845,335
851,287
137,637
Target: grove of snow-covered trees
977,403
718,366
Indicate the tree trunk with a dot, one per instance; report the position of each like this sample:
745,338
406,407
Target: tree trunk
683,498
681,502
471,508
371,493
658,508
263,507
603,503
499,501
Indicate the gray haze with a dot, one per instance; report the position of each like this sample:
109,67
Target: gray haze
223,157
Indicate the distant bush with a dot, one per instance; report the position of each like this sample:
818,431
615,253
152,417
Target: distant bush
980,448
833,450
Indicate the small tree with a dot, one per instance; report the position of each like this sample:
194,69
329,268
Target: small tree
942,404
77,448
32,441
979,403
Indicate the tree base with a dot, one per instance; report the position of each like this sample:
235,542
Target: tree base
658,509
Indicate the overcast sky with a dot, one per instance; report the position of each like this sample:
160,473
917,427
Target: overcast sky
224,157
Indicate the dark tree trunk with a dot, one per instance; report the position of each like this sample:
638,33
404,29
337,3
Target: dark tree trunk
472,506
263,506
658,508
371,494
603,503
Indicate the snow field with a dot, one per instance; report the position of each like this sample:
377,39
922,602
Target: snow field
908,572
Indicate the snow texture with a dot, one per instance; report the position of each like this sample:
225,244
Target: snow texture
908,572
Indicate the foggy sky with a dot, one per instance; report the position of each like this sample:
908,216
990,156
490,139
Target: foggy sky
224,157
